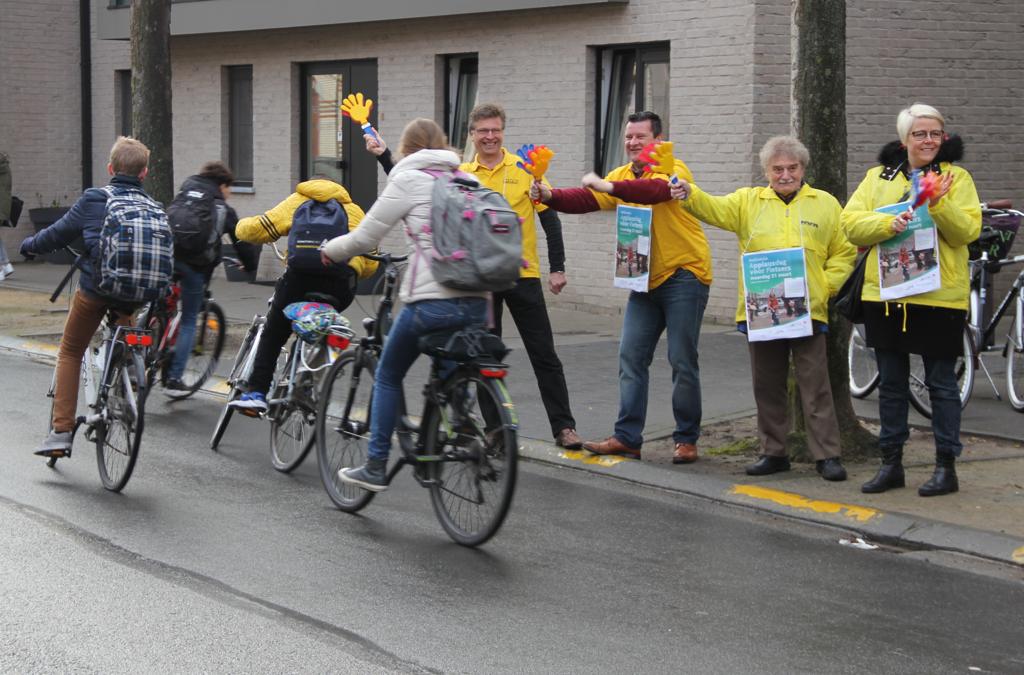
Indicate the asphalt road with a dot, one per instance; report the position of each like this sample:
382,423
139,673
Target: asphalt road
215,562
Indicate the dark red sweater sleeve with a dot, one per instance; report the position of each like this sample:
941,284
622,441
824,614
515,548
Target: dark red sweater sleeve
642,191
573,200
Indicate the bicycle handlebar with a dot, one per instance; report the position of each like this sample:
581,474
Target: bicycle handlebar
386,258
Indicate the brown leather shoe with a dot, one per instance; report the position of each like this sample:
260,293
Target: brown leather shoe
685,453
611,446
568,438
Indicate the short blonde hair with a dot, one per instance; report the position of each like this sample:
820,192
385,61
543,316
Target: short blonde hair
783,146
905,120
129,156
422,134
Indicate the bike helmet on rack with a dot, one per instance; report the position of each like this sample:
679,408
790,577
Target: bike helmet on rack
311,321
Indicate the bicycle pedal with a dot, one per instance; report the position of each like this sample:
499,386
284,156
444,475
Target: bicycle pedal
255,414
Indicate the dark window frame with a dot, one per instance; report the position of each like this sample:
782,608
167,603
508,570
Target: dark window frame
123,92
606,125
457,115
240,124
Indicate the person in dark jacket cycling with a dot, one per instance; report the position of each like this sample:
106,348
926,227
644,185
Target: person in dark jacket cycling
129,160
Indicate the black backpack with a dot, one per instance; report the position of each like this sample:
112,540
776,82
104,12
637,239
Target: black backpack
313,224
192,216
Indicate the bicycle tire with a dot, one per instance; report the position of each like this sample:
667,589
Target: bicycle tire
1015,360
233,377
964,369
862,364
52,461
209,341
119,435
292,422
342,441
475,434
153,355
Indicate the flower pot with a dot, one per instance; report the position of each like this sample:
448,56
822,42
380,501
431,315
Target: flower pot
41,219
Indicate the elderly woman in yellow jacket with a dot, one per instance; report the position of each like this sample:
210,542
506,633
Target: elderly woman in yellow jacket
294,284
930,324
788,214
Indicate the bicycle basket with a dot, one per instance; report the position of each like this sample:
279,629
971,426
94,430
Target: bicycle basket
311,321
1003,228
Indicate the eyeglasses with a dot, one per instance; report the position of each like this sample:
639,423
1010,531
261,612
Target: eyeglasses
487,132
935,135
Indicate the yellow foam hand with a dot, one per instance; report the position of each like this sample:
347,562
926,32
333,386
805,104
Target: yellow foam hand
658,158
357,108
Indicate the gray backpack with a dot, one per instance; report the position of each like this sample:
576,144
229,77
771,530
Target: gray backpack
477,237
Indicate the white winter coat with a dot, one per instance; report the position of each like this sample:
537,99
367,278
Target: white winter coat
405,200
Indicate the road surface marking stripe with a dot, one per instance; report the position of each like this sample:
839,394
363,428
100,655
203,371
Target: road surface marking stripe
588,458
1018,555
861,513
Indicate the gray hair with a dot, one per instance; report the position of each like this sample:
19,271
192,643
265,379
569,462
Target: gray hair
905,120
783,146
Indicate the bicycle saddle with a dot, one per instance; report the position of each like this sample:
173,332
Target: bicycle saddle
463,345
323,297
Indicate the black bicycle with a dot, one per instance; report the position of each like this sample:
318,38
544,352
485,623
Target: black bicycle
464,446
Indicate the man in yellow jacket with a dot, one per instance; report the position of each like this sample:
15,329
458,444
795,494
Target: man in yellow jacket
680,279
294,284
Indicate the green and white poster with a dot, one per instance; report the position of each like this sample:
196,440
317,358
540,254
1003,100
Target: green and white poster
775,292
908,263
632,247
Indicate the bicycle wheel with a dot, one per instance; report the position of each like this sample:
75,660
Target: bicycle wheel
209,341
119,433
1015,360
474,439
964,369
863,366
155,323
292,421
241,357
343,427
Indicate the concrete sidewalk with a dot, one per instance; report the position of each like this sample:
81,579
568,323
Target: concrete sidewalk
985,519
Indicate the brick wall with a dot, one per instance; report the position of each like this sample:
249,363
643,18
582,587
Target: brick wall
39,105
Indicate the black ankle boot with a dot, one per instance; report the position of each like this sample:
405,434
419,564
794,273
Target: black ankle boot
944,480
890,473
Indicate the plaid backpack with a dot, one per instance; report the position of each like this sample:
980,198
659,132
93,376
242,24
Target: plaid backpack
477,237
134,258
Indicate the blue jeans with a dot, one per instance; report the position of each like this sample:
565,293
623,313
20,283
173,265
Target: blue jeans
400,351
678,305
894,397
192,285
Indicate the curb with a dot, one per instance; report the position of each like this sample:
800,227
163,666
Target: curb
893,528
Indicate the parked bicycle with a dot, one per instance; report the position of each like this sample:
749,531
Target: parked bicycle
163,319
988,253
463,448
114,378
321,335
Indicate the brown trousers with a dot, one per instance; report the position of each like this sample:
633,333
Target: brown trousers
86,314
769,364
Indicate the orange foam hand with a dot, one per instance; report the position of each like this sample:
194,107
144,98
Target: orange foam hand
658,158
928,187
357,108
535,159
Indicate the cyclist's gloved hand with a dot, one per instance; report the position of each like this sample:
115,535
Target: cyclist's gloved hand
26,249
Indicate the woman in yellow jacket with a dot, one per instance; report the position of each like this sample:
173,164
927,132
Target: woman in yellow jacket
786,214
930,324
295,284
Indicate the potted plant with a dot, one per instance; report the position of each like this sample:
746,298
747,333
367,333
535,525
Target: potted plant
44,216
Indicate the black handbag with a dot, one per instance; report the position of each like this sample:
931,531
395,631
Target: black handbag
16,206
848,302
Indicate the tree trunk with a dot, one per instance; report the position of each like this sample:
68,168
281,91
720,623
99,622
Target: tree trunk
151,91
819,119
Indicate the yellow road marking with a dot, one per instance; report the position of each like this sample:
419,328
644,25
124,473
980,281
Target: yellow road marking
861,513
1018,555
588,458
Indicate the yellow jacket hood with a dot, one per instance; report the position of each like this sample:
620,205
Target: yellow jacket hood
323,190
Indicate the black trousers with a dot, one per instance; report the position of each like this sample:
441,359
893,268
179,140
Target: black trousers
526,305
293,287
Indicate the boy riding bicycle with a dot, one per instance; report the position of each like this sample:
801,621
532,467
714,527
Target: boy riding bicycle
313,200
128,166
199,216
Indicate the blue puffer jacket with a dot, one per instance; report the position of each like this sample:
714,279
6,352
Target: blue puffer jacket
85,219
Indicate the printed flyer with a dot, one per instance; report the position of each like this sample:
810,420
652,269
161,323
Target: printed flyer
908,263
778,306
632,247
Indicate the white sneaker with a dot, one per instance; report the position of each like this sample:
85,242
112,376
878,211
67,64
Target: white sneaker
8,269
3,275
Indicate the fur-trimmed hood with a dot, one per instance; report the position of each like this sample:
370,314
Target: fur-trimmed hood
893,156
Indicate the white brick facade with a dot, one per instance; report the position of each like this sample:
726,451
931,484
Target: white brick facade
730,91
